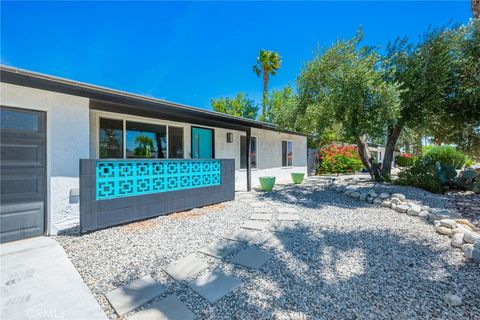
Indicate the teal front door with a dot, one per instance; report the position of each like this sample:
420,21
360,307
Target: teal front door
202,143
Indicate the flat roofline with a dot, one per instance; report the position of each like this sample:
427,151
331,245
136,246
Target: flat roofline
37,80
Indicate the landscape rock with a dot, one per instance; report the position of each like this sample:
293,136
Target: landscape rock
460,229
386,204
443,230
424,214
399,196
395,200
355,194
477,244
377,201
471,237
384,195
465,223
362,197
393,206
369,199
457,240
402,208
372,194
453,299
449,223
476,255
426,208
414,210
468,250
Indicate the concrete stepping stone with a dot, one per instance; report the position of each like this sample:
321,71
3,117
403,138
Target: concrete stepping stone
261,216
170,308
186,267
258,204
288,217
271,240
287,210
285,227
219,248
214,285
263,210
134,294
255,225
242,235
252,258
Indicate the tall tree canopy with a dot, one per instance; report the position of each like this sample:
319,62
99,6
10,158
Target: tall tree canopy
240,106
347,85
268,62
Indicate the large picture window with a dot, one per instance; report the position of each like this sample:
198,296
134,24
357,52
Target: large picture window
175,142
146,140
131,139
287,153
111,138
253,152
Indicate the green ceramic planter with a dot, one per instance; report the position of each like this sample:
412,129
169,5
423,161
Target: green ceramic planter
267,183
297,177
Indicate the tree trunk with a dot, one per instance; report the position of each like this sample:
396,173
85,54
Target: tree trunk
366,158
393,135
265,88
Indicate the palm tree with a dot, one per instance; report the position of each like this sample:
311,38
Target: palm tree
268,62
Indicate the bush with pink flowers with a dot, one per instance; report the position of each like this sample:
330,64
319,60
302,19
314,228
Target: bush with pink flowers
339,159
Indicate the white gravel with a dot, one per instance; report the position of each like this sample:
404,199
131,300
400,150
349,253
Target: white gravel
349,260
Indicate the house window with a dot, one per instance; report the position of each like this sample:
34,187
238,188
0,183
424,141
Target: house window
175,142
111,138
253,152
145,140
287,153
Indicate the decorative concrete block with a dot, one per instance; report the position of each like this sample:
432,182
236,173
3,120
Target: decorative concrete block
242,235
255,225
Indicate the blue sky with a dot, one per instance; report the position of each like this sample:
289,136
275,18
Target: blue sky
191,52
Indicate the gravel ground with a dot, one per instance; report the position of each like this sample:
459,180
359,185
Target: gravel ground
349,260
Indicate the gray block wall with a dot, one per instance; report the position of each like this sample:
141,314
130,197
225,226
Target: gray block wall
99,214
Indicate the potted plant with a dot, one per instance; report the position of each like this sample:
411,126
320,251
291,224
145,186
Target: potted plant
297,177
267,183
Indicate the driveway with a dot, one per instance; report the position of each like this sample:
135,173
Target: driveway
38,281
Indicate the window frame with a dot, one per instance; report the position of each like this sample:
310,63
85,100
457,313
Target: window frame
240,145
125,118
286,160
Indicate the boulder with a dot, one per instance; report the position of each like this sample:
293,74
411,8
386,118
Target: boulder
443,230
457,240
386,203
426,208
372,194
369,199
399,196
402,208
471,237
424,214
476,255
449,223
460,229
362,197
395,200
465,223
384,195
477,244
414,210
468,250
453,300
393,206
355,194
377,201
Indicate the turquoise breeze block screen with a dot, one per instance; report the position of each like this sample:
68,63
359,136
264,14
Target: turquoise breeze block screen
117,179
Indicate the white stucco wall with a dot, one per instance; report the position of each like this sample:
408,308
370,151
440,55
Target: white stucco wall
67,142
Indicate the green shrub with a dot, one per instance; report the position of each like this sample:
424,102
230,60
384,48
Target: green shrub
446,155
421,175
469,163
405,160
339,159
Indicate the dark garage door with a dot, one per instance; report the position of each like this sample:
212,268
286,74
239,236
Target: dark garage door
23,173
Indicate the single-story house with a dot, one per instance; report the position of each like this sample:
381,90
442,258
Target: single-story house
49,123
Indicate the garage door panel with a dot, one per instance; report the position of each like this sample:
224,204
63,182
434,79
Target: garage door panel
22,173
22,152
18,221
